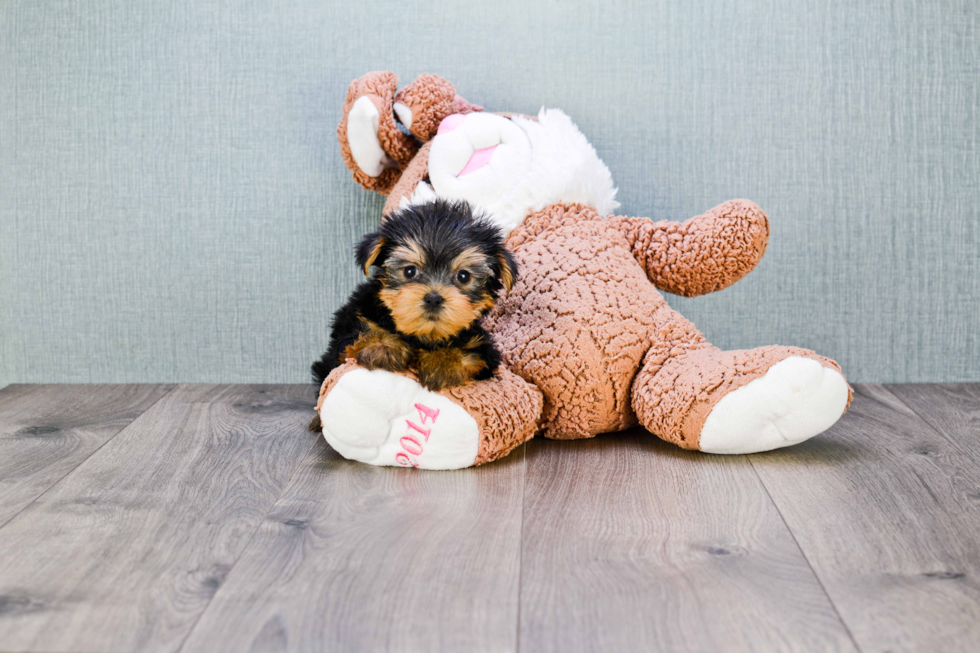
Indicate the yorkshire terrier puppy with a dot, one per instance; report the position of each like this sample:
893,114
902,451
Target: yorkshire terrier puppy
433,271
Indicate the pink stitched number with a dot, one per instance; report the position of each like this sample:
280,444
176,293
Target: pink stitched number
425,432
403,460
409,442
416,449
425,411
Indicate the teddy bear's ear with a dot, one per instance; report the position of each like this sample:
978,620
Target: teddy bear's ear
423,104
372,145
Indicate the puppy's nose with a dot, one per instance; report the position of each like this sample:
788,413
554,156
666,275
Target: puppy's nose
433,301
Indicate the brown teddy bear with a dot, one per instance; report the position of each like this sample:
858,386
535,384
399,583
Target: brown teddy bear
589,344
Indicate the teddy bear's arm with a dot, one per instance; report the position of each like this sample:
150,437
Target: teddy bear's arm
373,145
423,104
707,253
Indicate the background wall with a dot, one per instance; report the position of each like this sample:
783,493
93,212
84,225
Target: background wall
173,206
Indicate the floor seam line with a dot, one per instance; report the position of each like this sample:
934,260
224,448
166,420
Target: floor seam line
520,552
935,429
95,451
799,548
248,544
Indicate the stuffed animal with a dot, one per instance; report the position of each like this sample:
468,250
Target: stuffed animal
589,345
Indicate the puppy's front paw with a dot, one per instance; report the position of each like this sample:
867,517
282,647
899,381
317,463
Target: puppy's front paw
447,367
380,350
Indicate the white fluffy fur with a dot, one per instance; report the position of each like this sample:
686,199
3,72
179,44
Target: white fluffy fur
423,193
563,167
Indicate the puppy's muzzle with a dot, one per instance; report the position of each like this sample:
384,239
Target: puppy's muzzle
433,302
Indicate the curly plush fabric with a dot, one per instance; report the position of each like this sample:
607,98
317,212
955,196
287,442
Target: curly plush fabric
690,258
578,321
584,312
506,410
331,381
460,105
430,99
380,88
683,377
411,176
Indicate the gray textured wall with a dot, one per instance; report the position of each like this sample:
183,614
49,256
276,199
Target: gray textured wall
173,206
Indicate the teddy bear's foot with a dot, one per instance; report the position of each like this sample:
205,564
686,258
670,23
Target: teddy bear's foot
792,402
737,402
382,418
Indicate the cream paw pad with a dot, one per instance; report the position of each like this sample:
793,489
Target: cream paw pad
382,418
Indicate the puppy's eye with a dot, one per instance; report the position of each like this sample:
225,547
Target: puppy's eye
410,272
462,277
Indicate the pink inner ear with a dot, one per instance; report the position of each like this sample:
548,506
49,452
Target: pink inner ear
451,122
479,159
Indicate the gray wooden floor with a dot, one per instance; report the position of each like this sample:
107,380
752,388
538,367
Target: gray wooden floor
206,518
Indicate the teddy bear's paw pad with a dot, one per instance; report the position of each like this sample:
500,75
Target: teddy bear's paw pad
363,123
796,399
381,418
404,114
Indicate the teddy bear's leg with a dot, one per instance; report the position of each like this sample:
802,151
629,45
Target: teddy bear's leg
693,394
383,418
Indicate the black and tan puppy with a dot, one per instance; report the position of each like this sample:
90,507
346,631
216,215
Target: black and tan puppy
433,271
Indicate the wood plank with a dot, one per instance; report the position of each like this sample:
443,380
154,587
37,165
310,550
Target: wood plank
952,409
125,552
886,510
48,430
631,544
360,558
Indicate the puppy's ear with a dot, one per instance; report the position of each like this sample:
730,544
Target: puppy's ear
368,251
506,271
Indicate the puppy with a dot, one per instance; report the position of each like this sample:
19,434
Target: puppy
433,271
